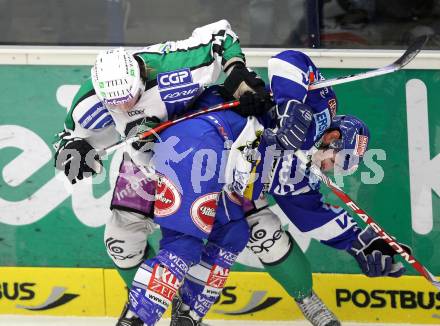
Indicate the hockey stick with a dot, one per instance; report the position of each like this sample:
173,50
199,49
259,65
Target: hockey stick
368,220
409,54
162,126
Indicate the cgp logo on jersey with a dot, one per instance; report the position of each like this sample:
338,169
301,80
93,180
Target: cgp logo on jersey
174,78
176,85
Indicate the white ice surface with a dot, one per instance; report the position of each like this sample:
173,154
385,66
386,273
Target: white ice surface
7,320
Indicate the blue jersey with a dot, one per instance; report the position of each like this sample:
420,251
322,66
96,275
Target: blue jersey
189,161
189,196
290,75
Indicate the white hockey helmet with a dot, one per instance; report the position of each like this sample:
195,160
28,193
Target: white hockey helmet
116,78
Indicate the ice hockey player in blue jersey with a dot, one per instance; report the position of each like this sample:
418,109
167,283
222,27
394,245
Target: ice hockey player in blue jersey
191,208
297,193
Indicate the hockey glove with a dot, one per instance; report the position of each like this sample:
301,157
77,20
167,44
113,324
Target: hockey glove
141,125
254,104
240,80
293,130
374,256
78,159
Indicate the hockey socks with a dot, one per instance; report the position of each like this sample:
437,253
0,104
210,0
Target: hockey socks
292,272
127,274
205,281
279,253
155,285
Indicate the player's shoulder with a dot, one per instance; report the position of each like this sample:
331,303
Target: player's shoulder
157,57
88,111
151,50
292,57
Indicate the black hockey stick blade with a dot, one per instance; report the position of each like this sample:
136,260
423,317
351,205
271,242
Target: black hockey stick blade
412,51
409,55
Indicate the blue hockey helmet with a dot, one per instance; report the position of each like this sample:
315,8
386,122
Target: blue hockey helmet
353,141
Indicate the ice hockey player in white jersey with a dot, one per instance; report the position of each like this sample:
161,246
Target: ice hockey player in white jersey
151,85
131,91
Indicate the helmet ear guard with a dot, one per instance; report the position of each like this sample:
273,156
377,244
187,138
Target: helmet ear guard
116,77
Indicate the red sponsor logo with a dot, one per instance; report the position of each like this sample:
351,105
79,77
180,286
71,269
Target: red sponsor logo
332,105
218,276
203,211
167,198
164,283
361,145
311,76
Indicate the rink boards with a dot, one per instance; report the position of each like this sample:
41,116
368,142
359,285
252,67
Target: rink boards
44,222
246,296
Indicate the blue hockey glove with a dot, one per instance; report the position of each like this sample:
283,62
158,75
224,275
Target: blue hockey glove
374,256
293,127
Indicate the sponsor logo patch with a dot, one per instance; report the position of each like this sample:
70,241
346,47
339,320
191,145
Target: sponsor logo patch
332,105
218,276
322,121
174,78
228,256
178,262
167,198
89,118
163,283
176,85
175,94
361,145
203,211
135,112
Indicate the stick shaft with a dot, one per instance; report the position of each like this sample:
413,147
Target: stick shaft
161,127
402,61
368,220
167,124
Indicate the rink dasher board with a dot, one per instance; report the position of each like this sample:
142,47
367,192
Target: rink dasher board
94,292
255,57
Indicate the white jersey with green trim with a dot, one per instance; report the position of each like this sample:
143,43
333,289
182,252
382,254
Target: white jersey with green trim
177,71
